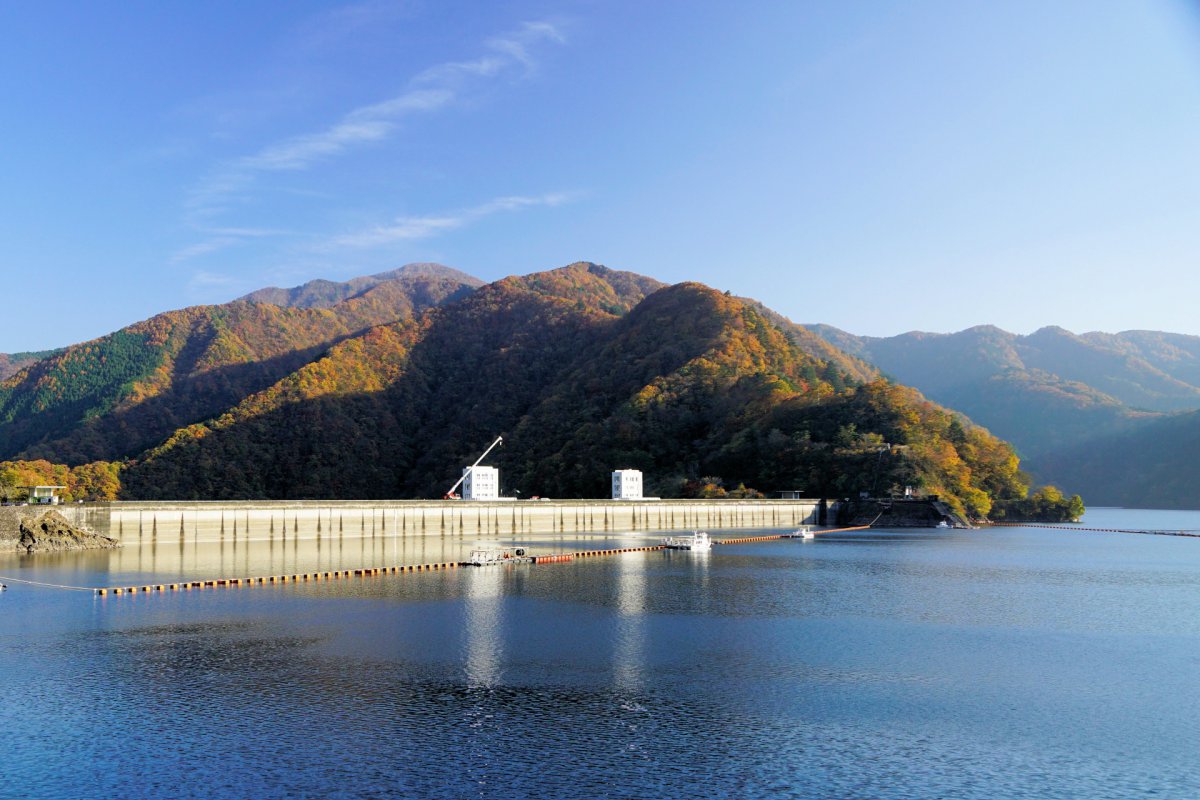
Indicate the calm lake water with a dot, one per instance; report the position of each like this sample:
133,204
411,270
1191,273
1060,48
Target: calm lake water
1010,663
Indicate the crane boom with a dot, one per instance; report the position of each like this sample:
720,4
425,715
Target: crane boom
457,483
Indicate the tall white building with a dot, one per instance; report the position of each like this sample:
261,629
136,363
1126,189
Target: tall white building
481,483
627,484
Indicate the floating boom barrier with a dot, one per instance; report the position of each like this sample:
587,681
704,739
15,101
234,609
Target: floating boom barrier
551,559
365,572
273,580
1188,533
368,572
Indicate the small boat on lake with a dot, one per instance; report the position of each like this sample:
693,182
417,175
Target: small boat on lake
697,541
485,557
801,533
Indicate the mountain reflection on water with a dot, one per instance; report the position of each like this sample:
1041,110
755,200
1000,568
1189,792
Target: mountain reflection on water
907,664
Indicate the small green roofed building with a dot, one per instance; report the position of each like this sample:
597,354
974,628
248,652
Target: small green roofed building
44,495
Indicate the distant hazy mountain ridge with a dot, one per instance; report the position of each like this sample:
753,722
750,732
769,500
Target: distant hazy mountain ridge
1140,369
1069,402
12,363
1150,466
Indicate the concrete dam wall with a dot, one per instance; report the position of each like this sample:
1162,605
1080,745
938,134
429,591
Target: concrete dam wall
217,521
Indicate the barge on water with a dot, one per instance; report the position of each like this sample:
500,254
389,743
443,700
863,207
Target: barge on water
800,533
488,557
698,541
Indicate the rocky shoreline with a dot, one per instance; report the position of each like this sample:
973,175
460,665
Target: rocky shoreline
29,529
899,513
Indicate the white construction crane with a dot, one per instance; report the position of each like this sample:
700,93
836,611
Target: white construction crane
450,495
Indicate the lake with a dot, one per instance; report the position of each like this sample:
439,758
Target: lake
1014,663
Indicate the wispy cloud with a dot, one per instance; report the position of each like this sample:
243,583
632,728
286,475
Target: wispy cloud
438,87
205,284
369,124
424,227
222,239
204,248
503,52
250,233
433,89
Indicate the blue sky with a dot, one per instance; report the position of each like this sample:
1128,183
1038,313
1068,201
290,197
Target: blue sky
877,166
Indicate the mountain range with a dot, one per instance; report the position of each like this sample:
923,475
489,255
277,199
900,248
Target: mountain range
415,367
385,386
1101,414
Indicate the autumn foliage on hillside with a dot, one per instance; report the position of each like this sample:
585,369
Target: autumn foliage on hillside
582,370
878,438
116,396
97,481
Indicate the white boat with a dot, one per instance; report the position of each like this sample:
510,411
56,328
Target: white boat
484,558
943,524
802,533
697,541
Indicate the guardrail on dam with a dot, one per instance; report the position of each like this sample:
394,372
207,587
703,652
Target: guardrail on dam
214,521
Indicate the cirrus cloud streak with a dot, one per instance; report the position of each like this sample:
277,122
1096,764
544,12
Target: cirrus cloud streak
234,184
410,228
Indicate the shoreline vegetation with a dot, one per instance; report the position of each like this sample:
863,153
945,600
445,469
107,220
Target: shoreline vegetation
1048,504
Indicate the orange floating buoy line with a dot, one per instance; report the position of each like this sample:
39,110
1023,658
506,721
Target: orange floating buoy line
557,558
745,539
272,580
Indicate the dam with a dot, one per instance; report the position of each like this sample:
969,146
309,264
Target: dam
166,522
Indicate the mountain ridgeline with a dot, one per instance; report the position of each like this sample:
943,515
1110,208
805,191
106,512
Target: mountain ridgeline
423,285
582,369
1137,369
115,396
1100,414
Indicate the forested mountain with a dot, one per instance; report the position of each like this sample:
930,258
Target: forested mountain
1176,354
115,396
1153,466
818,347
1069,403
581,369
425,285
1139,369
